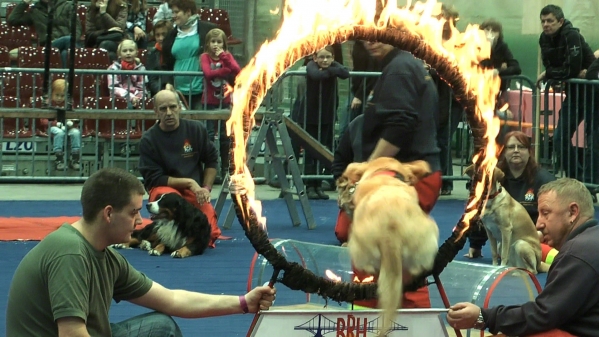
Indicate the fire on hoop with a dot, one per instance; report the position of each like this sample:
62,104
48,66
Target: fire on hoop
310,25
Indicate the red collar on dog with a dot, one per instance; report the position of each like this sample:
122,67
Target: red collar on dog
492,196
393,174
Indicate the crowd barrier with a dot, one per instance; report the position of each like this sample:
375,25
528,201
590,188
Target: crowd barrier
110,138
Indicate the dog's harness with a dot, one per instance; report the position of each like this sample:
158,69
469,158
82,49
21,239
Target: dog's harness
352,189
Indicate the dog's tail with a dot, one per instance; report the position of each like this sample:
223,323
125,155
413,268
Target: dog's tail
390,282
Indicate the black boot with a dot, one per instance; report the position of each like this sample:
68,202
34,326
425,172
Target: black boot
59,163
311,193
321,194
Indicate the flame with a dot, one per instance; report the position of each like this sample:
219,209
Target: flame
332,276
309,25
243,185
368,279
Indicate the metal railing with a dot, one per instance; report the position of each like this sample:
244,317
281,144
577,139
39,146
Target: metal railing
27,145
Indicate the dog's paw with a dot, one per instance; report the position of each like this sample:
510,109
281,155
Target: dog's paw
181,253
145,245
154,252
176,254
120,246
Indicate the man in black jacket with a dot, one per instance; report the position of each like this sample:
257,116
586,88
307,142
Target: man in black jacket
569,303
37,16
566,55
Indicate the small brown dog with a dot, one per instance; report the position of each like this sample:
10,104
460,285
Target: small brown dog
512,234
391,236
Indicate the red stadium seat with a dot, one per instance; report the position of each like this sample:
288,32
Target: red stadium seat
15,36
9,125
20,85
220,17
4,57
35,57
91,58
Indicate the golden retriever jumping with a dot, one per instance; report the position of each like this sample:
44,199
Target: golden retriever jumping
391,236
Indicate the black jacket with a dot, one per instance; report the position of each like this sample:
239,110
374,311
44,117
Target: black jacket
349,149
37,16
565,53
156,82
404,110
362,61
500,54
570,299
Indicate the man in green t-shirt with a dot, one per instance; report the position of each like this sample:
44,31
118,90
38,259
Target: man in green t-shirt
64,286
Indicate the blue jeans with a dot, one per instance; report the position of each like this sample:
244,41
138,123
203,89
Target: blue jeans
58,135
152,324
63,44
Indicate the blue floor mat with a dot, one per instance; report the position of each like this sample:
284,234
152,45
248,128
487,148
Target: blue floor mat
221,270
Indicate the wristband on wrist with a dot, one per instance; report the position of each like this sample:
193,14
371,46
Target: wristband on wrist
244,304
208,188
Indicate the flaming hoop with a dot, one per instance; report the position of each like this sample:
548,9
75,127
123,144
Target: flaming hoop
310,25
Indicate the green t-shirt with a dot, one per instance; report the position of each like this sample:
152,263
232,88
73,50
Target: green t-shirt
64,276
186,53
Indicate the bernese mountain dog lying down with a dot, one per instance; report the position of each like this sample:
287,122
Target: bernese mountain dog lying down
177,228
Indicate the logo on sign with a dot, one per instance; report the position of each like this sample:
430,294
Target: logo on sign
345,326
18,146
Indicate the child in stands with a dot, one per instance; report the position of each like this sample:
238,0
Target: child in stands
58,130
154,62
130,87
318,111
219,68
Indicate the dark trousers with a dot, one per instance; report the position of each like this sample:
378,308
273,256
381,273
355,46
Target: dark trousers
219,127
311,167
444,135
580,104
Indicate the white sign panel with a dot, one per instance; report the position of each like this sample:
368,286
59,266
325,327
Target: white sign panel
348,323
20,146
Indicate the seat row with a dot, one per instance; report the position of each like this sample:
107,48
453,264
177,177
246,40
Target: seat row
17,36
102,128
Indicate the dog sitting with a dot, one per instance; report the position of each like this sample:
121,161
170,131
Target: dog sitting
178,227
512,234
391,236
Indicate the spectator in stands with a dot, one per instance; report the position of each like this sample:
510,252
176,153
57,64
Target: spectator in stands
182,47
220,69
164,12
451,111
176,156
502,60
504,64
523,178
58,131
37,16
566,55
130,87
318,115
137,11
361,87
155,61
570,299
106,25
66,284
